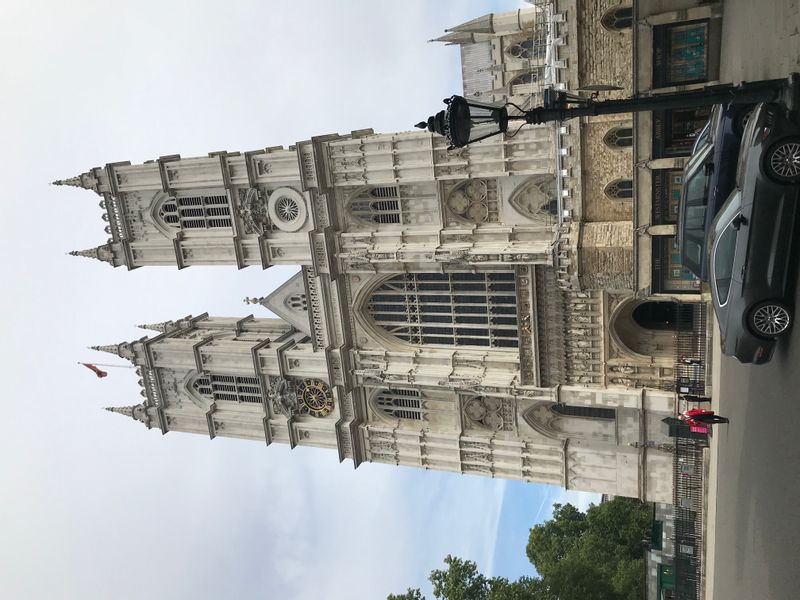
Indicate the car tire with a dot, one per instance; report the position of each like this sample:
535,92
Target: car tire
740,122
782,160
770,319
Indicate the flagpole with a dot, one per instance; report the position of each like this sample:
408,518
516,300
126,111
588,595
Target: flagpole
107,365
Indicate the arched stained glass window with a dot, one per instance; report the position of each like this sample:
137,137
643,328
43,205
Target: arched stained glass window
620,189
591,412
530,48
534,75
200,211
378,204
229,388
619,137
400,403
618,18
452,309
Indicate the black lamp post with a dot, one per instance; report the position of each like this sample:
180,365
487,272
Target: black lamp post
465,121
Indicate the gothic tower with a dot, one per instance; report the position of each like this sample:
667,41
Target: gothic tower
427,325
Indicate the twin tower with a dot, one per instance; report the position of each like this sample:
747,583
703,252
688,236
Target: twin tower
431,322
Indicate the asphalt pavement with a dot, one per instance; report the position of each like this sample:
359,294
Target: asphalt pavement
754,523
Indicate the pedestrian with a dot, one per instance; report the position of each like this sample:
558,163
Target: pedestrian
701,416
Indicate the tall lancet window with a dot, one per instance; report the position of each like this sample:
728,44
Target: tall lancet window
400,403
378,204
452,309
229,388
202,211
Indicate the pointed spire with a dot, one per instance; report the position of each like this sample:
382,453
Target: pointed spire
122,410
86,181
484,24
73,181
103,253
122,350
160,327
455,37
137,412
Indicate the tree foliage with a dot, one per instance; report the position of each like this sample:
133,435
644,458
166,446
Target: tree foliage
596,555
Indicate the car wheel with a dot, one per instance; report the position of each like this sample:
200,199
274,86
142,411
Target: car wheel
770,319
782,160
741,122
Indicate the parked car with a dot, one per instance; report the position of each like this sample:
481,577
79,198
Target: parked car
708,179
750,259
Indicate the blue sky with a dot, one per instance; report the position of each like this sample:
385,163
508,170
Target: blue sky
97,507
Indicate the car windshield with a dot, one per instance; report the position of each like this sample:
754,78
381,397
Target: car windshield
723,262
694,219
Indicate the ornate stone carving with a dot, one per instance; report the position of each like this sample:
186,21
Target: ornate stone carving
252,210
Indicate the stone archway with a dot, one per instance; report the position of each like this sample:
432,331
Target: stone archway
646,328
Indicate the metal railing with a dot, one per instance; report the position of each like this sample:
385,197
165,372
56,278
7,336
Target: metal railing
688,532
690,348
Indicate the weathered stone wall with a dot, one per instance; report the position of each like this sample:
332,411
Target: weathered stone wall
605,255
604,57
601,166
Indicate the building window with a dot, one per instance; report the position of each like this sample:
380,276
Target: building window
667,184
619,137
620,189
197,212
452,309
669,274
529,49
533,76
591,412
618,18
680,53
400,403
675,131
229,388
378,205
297,302
474,201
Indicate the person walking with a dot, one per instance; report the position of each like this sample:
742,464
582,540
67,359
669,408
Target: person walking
701,416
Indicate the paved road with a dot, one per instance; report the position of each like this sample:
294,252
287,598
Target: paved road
757,524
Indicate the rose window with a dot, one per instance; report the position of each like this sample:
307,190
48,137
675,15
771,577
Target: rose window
287,209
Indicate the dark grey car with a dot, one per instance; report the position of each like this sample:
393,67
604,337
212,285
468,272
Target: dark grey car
751,239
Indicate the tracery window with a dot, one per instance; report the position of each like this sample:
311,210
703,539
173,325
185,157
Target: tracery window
201,211
529,49
533,76
474,201
400,403
297,302
229,388
453,309
619,137
618,18
592,412
620,189
378,204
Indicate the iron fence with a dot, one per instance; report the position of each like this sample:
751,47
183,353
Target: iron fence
690,348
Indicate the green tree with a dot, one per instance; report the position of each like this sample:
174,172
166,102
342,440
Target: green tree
595,555
411,594
461,580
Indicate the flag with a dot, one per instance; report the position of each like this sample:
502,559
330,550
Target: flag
99,372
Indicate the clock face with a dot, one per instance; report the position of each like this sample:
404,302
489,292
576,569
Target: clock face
314,398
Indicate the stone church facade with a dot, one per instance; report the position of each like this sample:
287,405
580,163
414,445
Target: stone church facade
471,311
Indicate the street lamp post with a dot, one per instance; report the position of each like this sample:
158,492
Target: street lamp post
465,121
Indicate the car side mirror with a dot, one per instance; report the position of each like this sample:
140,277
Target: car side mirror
738,221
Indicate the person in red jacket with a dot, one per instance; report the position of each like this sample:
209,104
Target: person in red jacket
701,416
